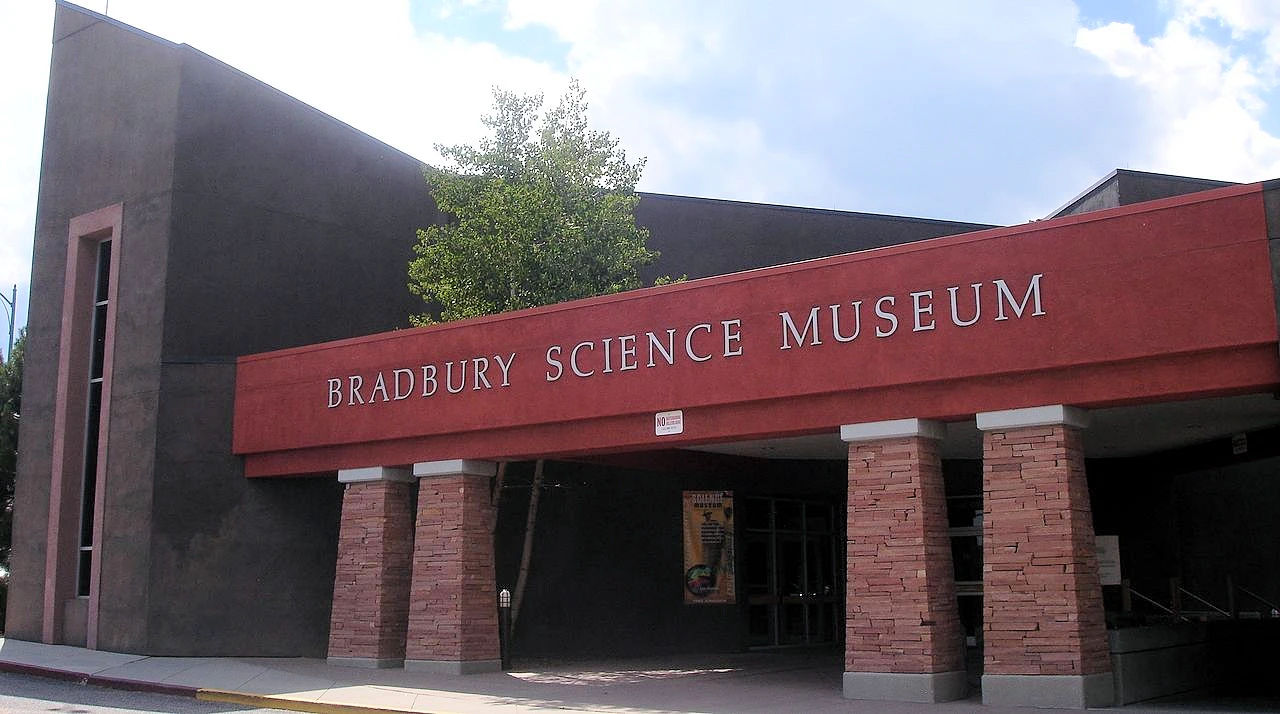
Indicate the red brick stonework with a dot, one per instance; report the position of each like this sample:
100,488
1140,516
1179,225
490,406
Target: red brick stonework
901,612
371,584
453,614
1043,612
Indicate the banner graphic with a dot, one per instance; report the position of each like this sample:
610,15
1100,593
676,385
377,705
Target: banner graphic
708,547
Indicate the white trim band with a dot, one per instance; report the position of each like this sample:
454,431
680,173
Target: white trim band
1049,691
893,429
454,467
374,473
928,688
1033,416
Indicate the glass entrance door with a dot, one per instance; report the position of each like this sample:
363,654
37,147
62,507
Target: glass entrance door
793,582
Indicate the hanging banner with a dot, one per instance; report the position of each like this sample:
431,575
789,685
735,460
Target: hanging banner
708,547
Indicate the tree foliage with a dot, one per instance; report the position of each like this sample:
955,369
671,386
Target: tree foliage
10,408
538,213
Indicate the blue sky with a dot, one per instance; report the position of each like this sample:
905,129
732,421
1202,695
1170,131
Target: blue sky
990,111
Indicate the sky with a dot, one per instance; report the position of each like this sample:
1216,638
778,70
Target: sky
993,111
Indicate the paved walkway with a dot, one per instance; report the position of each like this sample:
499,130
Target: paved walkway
796,681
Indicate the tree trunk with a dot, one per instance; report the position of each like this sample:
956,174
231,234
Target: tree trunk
495,493
535,492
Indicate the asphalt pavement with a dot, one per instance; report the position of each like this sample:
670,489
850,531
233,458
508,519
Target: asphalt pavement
739,683
26,694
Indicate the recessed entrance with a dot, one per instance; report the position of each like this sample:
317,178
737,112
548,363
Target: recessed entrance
793,562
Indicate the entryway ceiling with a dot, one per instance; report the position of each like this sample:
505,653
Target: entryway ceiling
1115,432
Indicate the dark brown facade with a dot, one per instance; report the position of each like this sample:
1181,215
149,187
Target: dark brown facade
241,221
250,222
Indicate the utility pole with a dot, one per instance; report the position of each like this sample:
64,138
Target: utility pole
11,307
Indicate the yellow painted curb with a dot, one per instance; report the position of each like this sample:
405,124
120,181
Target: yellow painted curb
295,705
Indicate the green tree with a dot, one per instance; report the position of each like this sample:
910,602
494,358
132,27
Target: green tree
538,212
10,408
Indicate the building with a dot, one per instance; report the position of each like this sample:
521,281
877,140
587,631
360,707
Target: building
922,424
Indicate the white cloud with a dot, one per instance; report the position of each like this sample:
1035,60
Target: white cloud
875,106
26,32
361,62
621,51
714,158
1240,16
984,110
1207,97
614,42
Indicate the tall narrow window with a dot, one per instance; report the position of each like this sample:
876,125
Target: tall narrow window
81,426
93,423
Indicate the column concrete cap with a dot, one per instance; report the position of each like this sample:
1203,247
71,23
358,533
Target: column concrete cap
374,473
1033,416
893,429
454,467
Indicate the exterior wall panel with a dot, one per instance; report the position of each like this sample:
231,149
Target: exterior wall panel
108,139
279,211
700,237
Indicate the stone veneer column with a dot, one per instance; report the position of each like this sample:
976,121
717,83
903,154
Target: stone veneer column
1045,638
371,582
904,640
453,610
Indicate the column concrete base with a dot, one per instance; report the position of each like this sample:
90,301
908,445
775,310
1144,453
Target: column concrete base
367,662
898,687
1048,690
436,666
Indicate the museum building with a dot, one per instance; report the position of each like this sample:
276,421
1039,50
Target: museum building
1039,460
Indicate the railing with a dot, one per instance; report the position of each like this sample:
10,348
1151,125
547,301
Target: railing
1180,591
1178,613
1127,593
1233,601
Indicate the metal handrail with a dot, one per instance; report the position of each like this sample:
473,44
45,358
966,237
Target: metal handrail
1213,607
1257,597
1176,593
1150,601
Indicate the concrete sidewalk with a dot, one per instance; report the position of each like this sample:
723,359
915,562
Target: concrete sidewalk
796,681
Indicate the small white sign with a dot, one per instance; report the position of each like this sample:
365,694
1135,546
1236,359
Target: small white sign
1109,559
667,423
